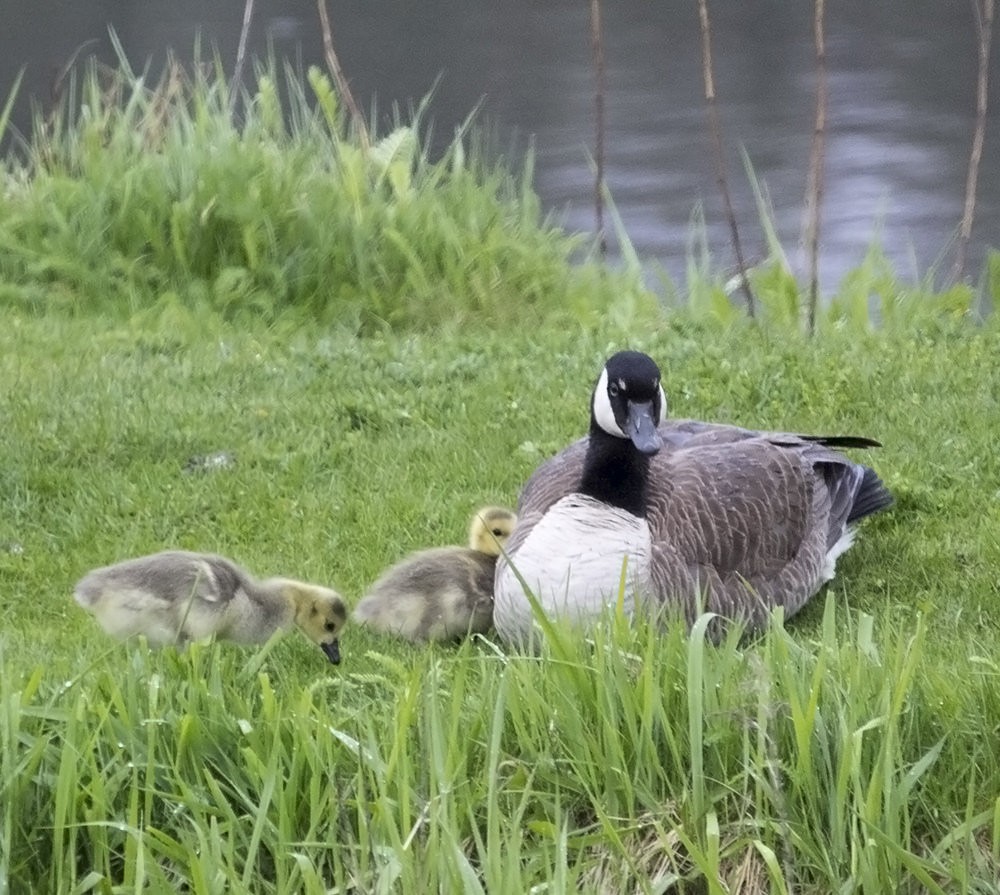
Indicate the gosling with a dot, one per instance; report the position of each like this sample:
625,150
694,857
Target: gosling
442,593
175,596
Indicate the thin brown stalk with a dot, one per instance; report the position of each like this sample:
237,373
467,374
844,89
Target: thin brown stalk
165,97
339,80
720,160
59,84
241,54
597,46
984,15
60,78
814,189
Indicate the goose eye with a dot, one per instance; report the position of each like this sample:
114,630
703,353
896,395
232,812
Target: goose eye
613,389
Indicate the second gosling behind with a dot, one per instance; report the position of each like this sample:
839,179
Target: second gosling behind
442,593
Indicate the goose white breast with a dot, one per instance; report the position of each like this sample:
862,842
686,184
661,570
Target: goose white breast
574,561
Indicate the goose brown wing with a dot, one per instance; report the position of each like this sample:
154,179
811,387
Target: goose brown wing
179,576
680,433
744,508
163,580
743,527
555,478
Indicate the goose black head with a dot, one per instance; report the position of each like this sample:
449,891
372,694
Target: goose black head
629,401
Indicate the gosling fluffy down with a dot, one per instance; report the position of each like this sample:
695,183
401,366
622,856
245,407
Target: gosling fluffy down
442,593
176,596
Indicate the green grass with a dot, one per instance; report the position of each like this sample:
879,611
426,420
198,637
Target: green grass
855,751
384,342
131,194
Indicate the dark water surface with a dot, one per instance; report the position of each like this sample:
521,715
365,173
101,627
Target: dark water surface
902,79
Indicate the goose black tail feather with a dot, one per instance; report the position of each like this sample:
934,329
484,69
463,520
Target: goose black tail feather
843,441
871,496
855,491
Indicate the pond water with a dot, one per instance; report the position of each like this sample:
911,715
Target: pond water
902,76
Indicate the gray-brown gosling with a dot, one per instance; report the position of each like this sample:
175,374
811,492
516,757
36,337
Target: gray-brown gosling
444,592
176,596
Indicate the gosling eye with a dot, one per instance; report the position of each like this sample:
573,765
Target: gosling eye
330,626
497,532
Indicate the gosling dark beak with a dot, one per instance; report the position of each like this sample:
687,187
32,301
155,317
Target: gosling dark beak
332,650
640,426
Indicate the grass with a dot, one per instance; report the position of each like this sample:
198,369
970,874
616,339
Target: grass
130,193
838,754
382,343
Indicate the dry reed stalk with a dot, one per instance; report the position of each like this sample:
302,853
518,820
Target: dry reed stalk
169,94
597,46
241,53
720,161
58,82
984,17
814,189
343,89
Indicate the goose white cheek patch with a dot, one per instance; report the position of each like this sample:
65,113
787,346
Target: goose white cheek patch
603,413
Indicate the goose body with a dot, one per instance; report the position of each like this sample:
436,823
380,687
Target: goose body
177,596
701,516
444,592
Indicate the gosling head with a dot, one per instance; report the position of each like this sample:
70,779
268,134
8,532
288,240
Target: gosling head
629,401
490,528
320,613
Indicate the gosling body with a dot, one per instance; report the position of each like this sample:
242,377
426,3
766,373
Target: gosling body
176,596
442,593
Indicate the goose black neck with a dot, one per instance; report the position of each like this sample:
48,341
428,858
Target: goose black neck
615,473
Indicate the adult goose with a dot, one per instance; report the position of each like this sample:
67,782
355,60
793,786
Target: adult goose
444,592
701,517
176,596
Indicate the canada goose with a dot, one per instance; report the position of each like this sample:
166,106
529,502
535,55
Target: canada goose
176,596
709,517
444,592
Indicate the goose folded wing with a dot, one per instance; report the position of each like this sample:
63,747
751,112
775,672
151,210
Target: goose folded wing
740,528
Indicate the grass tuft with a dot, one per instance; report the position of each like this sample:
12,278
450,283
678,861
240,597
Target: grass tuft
145,196
641,762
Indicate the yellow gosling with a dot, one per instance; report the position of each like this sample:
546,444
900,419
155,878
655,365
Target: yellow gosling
442,593
177,596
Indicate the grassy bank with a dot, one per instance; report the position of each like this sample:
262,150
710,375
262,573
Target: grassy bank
130,193
375,344
856,749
